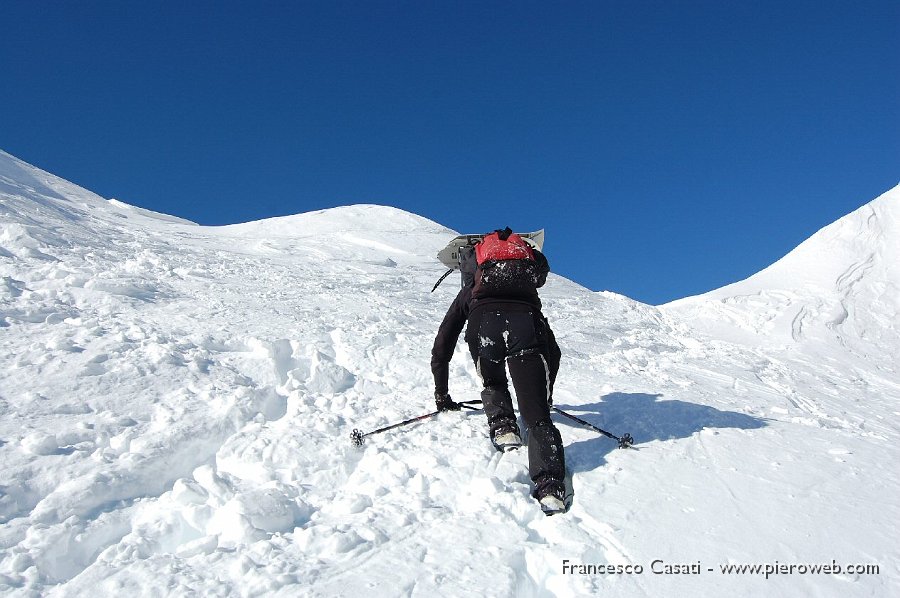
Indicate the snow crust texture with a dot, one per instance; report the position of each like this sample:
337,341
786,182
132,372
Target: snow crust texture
176,403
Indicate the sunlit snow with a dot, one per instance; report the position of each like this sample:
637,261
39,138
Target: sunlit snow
176,403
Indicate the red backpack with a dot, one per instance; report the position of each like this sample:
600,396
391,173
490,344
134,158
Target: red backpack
503,245
506,267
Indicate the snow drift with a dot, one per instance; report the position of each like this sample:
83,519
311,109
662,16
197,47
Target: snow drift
176,403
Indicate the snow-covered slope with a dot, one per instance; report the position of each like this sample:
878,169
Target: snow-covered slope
841,285
176,403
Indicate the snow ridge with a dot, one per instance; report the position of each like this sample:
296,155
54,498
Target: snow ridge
842,285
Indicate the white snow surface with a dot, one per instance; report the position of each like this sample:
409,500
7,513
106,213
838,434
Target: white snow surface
176,403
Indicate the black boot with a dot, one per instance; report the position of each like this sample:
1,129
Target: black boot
504,429
551,494
547,465
505,437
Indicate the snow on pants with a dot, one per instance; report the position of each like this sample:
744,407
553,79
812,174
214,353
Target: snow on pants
518,337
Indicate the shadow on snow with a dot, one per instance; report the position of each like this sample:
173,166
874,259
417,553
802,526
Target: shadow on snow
646,417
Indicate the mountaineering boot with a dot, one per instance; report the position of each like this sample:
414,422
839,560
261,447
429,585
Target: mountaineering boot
505,436
501,418
507,442
550,494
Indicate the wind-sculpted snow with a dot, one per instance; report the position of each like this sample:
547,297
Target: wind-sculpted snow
841,285
176,403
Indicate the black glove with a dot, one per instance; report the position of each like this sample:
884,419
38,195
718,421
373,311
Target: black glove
445,403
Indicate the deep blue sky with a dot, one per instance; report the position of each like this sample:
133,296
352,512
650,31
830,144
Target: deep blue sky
668,148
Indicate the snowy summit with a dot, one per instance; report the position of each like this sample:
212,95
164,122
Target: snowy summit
176,403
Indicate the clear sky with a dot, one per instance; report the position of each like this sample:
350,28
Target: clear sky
668,148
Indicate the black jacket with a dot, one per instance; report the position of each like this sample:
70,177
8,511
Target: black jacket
455,320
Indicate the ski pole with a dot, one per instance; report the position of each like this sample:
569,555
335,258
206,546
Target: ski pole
358,437
626,441
441,279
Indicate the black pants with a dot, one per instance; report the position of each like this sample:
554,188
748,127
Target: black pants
518,337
